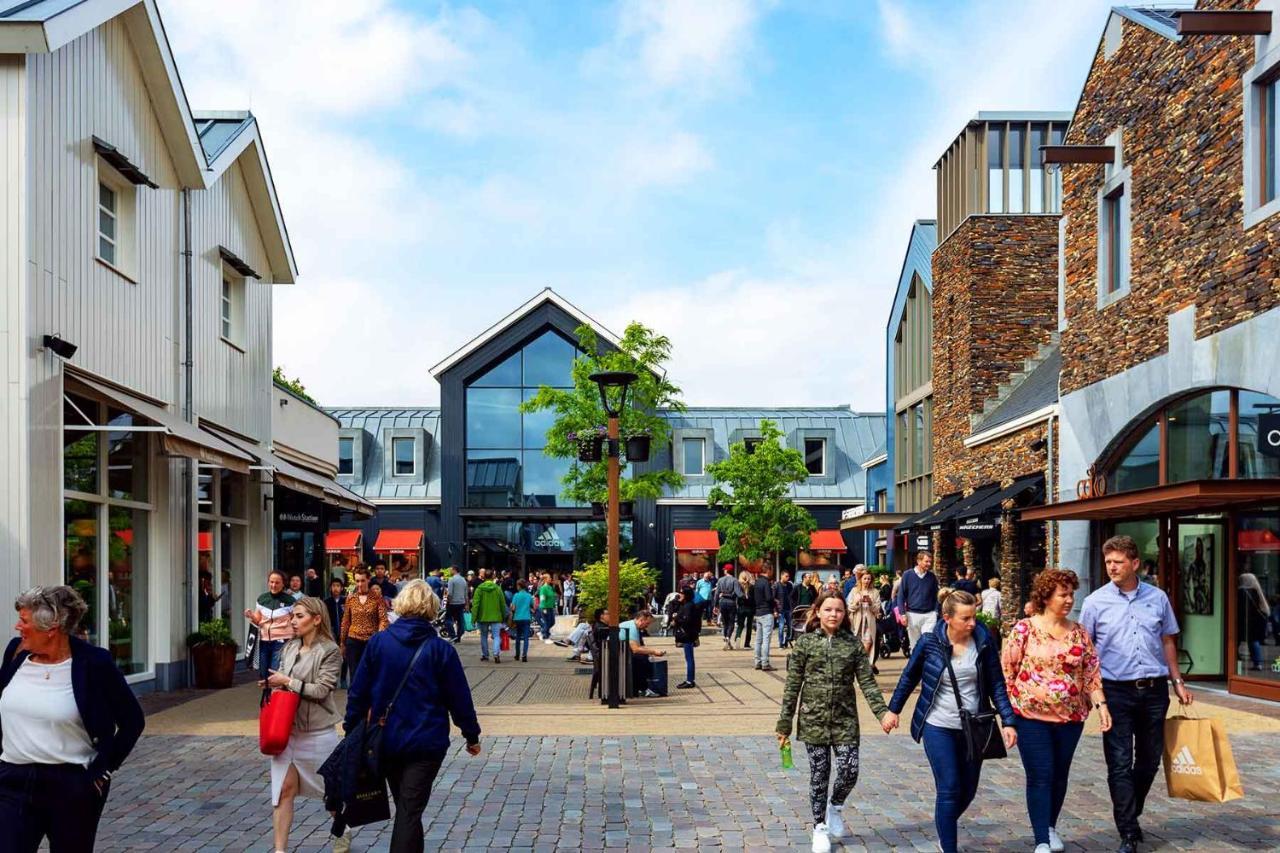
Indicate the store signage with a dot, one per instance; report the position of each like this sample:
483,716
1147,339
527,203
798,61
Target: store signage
1269,434
923,543
1093,486
853,512
977,525
299,517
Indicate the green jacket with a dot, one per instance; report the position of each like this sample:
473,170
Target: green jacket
488,604
820,678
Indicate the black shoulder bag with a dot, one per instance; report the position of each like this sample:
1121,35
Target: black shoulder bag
366,793
982,736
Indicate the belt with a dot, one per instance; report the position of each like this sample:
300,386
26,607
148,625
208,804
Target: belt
1140,683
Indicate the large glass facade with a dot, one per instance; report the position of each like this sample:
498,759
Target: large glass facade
106,516
1255,461
506,465
1258,595
1198,437
995,169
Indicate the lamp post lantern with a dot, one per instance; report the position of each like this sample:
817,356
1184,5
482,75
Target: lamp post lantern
615,383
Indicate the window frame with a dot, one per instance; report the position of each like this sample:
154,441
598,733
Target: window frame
232,311
1115,208
1264,74
125,214
805,451
351,458
684,459
397,441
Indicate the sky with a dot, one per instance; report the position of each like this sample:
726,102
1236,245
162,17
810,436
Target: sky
739,175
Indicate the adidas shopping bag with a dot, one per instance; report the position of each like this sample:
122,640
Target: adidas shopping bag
1197,760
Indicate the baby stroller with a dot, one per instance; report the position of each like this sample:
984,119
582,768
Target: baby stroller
797,617
670,605
888,633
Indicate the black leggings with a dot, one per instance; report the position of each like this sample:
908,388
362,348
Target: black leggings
746,618
820,775
728,612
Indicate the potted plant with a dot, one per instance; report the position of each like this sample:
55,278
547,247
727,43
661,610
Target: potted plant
638,447
992,624
213,655
119,639
590,444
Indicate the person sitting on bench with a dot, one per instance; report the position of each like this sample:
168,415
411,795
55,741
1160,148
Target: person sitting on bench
632,633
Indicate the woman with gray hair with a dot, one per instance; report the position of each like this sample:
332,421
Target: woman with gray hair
68,720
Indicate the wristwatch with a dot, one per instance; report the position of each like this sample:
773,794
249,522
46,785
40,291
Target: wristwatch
1178,682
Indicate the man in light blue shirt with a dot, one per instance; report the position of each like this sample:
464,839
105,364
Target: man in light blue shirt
1133,627
631,633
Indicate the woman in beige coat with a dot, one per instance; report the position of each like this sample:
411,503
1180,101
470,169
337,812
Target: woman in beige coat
309,665
864,610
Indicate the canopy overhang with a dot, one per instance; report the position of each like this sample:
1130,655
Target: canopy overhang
826,540
705,541
875,521
398,542
342,540
1175,498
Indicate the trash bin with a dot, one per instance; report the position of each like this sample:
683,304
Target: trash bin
624,664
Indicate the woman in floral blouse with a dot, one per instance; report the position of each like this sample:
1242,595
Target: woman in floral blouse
1054,678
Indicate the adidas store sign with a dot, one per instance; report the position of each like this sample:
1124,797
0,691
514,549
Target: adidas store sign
1185,764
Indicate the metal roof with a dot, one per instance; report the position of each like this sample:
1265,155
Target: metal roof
218,130
36,10
375,486
857,436
1162,21
1037,390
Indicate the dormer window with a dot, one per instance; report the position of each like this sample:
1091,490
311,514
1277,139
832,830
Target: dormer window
815,456
346,455
694,454
751,444
402,450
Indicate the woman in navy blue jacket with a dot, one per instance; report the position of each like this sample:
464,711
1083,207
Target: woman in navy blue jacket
68,720
974,658
416,736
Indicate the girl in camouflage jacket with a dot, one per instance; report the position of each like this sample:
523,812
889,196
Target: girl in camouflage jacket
824,664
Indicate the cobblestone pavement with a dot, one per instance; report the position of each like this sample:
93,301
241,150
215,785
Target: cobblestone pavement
720,792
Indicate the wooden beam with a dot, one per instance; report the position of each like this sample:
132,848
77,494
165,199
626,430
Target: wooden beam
1224,23
1078,153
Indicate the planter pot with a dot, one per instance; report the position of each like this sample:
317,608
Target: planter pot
638,448
214,666
599,510
626,509
589,449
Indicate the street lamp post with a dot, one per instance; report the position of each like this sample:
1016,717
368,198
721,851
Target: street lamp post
619,381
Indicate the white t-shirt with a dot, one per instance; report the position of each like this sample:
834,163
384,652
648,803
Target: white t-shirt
42,724
991,602
945,713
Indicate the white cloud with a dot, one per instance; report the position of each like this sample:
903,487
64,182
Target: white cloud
663,162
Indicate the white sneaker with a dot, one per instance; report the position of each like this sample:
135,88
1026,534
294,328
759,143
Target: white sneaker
1056,844
1042,848
549,642
835,821
821,841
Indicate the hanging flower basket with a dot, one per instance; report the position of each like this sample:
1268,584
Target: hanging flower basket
590,444
638,447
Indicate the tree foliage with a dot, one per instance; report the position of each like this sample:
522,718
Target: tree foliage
635,577
579,410
294,385
752,491
592,543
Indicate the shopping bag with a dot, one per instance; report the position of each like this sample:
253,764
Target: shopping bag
1198,764
506,639
468,624
275,721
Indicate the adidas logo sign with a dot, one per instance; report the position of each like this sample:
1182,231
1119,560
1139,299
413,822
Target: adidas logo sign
1184,764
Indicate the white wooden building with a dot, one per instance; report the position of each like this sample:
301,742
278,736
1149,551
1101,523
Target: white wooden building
149,238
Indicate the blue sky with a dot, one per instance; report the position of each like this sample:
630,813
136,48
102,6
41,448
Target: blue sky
740,174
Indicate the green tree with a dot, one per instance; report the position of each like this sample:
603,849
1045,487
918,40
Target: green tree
579,410
295,385
752,491
592,543
634,578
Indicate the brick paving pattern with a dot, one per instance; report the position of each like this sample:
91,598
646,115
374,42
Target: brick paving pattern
718,792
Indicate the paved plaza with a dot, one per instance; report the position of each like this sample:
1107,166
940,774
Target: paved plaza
696,771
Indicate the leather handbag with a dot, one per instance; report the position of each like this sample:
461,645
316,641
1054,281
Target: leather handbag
275,720
983,738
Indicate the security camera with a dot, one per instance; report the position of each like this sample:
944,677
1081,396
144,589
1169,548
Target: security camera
59,347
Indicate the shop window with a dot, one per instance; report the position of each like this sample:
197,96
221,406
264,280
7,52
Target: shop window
815,456
80,446
127,589
1198,437
127,455
346,455
1258,595
402,451
694,455
1139,468
1258,435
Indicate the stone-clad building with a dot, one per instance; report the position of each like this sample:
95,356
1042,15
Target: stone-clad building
994,347
1170,340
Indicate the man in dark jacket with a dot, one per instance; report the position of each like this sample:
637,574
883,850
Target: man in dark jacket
766,606
726,597
918,598
416,734
784,593
963,581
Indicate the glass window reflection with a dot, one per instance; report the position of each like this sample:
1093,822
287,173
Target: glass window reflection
127,589
549,361
542,479
995,168
694,456
80,549
1017,162
1198,430
494,478
493,417
506,374
1253,462
1140,467
537,424
79,448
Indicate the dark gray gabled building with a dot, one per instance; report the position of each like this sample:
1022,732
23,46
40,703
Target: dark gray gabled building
469,485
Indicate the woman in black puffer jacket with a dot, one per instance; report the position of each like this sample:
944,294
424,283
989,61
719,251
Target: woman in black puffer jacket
687,629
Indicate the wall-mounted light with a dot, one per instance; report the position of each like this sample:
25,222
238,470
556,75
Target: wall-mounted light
59,347
284,401
1038,445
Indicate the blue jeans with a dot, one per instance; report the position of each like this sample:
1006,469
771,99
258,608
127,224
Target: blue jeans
688,662
523,628
546,618
1046,750
764,637
490,630
269,656
955,778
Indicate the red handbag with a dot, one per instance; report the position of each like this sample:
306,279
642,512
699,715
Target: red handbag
506,639
275,721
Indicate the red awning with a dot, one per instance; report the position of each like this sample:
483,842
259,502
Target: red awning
342,540
1259,540
697,540
826,540
398,541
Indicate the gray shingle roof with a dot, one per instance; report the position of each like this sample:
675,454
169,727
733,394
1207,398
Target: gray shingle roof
375,485
1038,389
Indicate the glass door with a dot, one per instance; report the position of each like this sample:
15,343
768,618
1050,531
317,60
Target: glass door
1199,593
